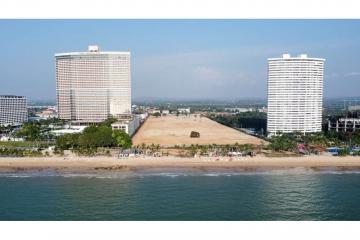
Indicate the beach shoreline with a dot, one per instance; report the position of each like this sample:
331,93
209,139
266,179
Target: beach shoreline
101,164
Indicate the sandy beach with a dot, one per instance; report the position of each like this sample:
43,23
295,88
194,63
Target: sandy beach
95,164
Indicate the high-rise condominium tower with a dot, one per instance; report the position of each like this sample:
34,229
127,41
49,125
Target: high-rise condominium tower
295,94
93,86
13,110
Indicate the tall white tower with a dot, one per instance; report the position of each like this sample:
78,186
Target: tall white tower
295,94
93,86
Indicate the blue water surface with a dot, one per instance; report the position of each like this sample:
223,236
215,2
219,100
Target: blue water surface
175,195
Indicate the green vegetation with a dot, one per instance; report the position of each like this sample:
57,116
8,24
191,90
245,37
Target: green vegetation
35,131
341,138
143,148
157,114
214,149
93,137
30,131
344,152
13,152
256,120
25,144
289,141
37,136
190,150
122,139
285,142
5,129
357,153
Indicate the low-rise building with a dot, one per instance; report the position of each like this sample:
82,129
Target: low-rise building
239,109
184,110
68,130
153,110
47,113
10,139
127,123
142,116
354,108
165,112
344,124
263,109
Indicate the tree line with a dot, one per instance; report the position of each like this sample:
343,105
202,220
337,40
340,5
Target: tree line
92,138
290,141
256,120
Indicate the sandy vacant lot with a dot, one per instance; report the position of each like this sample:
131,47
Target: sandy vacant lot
172,130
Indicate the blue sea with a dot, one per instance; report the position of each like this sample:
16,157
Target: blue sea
293,194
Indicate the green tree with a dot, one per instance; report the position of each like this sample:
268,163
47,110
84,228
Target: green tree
30,131
67,141
122,139
104,136
109,121
193,149
157,114
204,150
344,152
285,142
89,138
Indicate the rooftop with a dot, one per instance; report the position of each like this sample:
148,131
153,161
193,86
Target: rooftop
287,56
11,96
92,49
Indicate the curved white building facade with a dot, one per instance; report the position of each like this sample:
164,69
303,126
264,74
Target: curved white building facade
294,94
93,86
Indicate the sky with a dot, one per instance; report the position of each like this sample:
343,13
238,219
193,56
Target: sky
181,59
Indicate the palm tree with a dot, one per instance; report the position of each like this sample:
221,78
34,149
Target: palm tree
193,149
204,150
152,148
236,146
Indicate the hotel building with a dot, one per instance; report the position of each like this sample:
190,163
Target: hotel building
127,123
93,86
294,94
13,110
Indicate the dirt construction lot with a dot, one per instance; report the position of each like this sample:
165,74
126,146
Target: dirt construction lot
172,130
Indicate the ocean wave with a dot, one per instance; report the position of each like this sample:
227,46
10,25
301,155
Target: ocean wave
179,173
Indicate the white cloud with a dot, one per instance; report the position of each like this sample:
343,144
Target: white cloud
208,73
352,74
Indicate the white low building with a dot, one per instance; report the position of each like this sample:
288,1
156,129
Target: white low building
10,139
69,130
184,110
142,116
354,108
153,110
47,114
239,109
127,123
